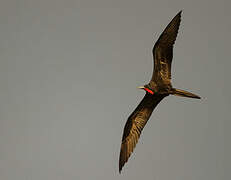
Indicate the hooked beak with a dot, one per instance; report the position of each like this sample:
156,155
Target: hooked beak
141,87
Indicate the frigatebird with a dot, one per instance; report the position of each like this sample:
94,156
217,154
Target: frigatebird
158,88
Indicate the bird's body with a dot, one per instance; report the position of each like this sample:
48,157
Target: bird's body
158,88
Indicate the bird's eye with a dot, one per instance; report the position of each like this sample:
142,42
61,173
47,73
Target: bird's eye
149,91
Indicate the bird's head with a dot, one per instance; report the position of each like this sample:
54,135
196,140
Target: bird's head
147,89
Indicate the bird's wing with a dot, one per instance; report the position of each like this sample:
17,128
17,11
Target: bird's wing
163,51
135,125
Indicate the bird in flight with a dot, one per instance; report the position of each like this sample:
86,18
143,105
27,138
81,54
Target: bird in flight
158,88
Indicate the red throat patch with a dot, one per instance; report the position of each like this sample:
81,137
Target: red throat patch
149,91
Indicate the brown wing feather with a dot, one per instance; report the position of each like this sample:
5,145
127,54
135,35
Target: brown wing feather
163,51
135,125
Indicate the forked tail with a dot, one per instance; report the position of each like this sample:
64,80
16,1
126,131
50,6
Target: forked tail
179,92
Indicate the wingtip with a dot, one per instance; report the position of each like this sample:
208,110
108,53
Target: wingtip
179,13
120,168
121,163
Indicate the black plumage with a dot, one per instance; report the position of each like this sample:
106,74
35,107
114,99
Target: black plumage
159,87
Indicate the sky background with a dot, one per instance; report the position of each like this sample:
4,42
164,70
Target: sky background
68,77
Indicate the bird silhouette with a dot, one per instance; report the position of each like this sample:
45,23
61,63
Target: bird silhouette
158,88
